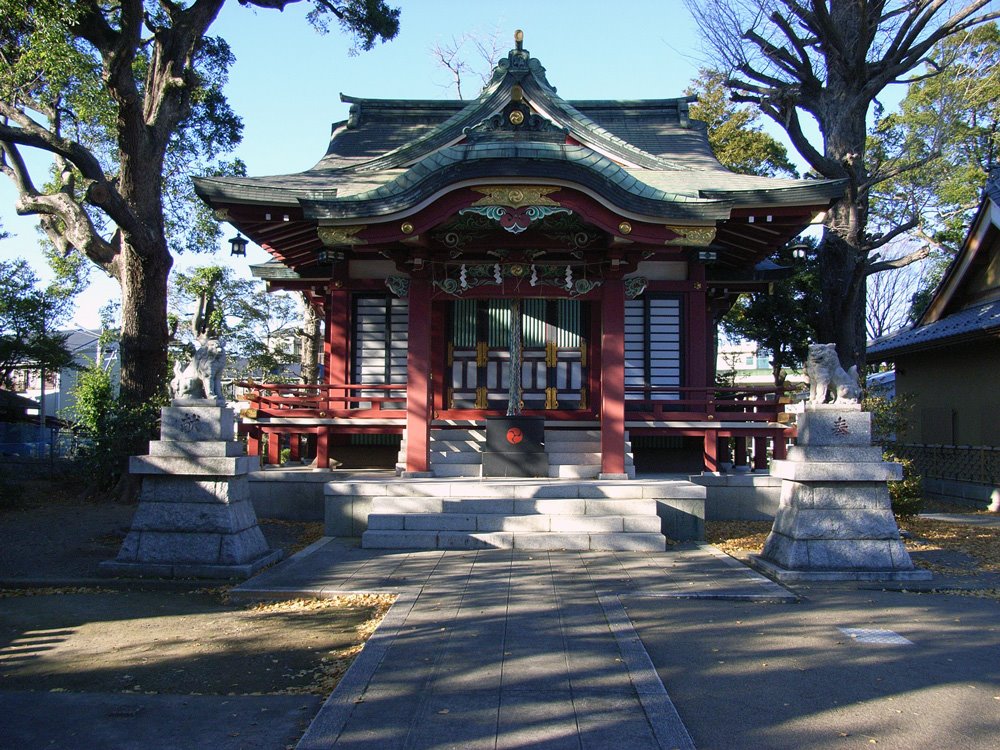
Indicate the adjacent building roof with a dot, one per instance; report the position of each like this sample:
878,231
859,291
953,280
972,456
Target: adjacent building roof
965,325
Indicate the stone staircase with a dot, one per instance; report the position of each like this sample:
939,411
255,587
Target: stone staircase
573,454
529,514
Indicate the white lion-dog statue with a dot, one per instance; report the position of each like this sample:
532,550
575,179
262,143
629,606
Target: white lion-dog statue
201,378
828,379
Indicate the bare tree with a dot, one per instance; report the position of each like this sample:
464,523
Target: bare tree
887,302
825,62
471,54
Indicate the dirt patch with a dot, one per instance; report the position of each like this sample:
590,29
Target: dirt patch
979,543
195,643
49,531
948,548
736,537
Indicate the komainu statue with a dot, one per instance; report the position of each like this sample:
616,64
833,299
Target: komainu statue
828,380
201,377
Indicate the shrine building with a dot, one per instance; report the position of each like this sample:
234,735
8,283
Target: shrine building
594,243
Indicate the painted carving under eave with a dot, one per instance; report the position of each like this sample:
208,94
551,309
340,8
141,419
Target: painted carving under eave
691,236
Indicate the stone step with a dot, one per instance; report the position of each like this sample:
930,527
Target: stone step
455,457
583,471
493,522
456,434
582,459
450,469
457,469
403,505
572,435
535,490
537,541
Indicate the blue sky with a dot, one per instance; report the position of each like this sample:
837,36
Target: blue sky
287,80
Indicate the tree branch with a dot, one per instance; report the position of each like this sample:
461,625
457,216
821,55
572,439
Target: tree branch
892,234
906,260
30,133
882,175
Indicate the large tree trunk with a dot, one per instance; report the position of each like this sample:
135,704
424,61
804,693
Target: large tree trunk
144,324
842,256
842,284
312,342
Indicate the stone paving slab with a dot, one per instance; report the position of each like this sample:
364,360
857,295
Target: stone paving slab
505,648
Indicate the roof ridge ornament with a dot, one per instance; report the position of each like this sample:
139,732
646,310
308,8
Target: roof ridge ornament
519,64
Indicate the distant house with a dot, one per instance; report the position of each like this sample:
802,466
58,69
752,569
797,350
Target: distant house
59,387
747,364
949,361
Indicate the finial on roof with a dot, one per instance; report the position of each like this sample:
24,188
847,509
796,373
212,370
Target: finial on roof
519,40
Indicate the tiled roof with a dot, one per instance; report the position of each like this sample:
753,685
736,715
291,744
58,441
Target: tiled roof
979,320
644,156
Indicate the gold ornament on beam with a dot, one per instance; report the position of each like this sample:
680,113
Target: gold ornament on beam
515,196
691,236
334,236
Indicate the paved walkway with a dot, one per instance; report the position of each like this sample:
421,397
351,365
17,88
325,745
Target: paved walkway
504,648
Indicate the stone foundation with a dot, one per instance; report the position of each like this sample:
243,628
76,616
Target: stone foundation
195,518
834,519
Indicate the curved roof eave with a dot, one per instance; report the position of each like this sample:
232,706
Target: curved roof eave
593,174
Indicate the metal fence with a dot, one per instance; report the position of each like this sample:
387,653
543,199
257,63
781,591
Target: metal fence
965,463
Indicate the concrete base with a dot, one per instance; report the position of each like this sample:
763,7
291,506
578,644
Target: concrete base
784,575
242,571
740,497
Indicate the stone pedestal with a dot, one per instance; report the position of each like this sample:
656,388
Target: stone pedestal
835,521
195,518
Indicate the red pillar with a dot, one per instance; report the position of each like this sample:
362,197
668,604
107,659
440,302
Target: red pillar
418,377
322,447
613,379
338,336
273,448
740,457
759,453
780,450
711,451
699,329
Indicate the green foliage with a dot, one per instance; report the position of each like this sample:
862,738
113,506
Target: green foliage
948,128
255,327
29,321
907,495
366,20
782,321
734,130
285,456
890,416
107,428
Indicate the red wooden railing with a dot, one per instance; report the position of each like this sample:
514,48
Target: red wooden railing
326,401
730,404
658,403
